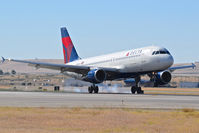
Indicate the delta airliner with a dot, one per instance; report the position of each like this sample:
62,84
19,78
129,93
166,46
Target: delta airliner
153,61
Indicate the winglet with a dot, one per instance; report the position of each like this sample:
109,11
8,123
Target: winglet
3,59
194,66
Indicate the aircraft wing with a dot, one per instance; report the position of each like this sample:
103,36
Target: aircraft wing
171,69
80,69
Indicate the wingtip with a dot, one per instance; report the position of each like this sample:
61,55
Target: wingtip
3,59
193,65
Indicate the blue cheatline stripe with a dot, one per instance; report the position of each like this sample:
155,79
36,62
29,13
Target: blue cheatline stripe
64,32
73,55
65,49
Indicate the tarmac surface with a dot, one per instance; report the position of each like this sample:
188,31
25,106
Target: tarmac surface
111,100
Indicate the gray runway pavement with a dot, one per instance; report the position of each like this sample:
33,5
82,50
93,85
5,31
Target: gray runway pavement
52,99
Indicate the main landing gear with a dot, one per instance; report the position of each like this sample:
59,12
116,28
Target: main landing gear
93,88
136,88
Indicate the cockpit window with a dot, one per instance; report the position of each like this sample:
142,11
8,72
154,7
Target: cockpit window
157,52
161,52
168,52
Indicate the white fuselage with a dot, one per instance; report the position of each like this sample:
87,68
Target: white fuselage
145,59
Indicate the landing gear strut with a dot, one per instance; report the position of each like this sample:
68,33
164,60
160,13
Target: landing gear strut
93,88
136,88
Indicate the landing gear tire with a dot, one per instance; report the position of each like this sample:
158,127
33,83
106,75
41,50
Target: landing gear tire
92,89
155,84
133,89
139,90
96,89
136,88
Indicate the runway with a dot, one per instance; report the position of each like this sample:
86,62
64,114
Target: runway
52,99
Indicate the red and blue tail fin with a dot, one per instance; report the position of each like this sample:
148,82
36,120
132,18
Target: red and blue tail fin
70,54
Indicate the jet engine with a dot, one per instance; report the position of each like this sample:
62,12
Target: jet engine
162,78
96,76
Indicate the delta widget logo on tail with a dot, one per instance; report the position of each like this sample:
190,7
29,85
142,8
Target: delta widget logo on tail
70,54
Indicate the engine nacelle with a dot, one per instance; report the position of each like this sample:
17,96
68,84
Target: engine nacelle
163,77
96,76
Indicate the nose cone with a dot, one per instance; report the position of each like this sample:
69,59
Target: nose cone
166,61
170,60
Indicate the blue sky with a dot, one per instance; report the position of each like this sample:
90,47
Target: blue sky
31,29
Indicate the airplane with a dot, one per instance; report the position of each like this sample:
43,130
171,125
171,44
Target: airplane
153,61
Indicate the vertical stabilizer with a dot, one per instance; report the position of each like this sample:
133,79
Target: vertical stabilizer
70,53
